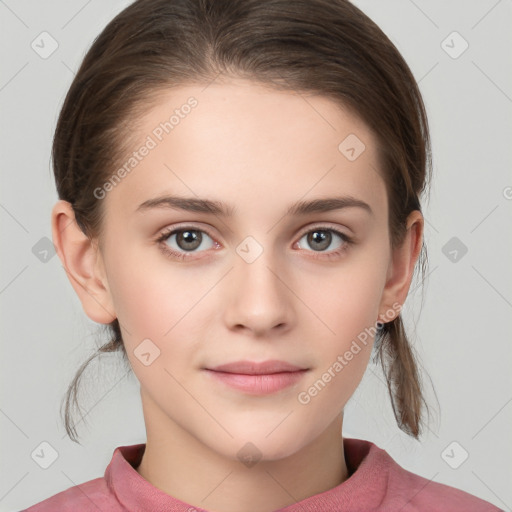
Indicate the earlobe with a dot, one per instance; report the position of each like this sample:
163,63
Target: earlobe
83,264
401,268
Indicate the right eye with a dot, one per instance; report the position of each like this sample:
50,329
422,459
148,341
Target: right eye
183,241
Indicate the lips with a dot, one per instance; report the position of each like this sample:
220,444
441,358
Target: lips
255,378
255,368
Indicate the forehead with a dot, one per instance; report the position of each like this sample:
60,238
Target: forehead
240,139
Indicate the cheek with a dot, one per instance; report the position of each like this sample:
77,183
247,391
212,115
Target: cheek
165,304
157,306
346,302
347,306
344,348
148,291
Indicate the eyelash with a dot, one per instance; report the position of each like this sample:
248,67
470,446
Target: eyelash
165,235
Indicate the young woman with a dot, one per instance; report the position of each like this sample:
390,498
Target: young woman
239,187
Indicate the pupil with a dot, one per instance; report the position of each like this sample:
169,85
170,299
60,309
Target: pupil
323,236
188,240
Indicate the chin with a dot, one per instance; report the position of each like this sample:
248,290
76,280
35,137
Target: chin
257,442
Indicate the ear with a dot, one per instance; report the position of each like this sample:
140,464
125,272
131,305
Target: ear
83,264
401,268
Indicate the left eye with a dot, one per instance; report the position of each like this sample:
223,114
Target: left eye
320,239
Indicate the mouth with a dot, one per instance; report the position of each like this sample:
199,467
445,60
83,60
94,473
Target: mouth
257,378
255,368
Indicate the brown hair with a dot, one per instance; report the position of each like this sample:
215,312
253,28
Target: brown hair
325,47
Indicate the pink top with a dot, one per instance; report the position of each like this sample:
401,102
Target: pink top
376,483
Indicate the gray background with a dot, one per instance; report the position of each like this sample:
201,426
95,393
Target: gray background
462,335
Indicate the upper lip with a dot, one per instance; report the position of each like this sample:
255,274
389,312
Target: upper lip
255,368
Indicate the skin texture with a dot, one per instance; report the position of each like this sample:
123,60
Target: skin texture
260,150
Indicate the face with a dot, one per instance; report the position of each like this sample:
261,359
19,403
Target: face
256,282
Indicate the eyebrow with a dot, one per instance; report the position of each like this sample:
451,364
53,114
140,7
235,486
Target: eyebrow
191,204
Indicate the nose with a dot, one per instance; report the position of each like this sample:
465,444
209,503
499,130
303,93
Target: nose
259,298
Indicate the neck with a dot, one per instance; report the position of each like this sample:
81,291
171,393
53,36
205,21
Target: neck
182,466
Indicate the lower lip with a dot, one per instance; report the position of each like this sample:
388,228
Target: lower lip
259,384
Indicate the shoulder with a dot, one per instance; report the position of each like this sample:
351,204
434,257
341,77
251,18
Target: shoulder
395,488
100,493
410,492
91,496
